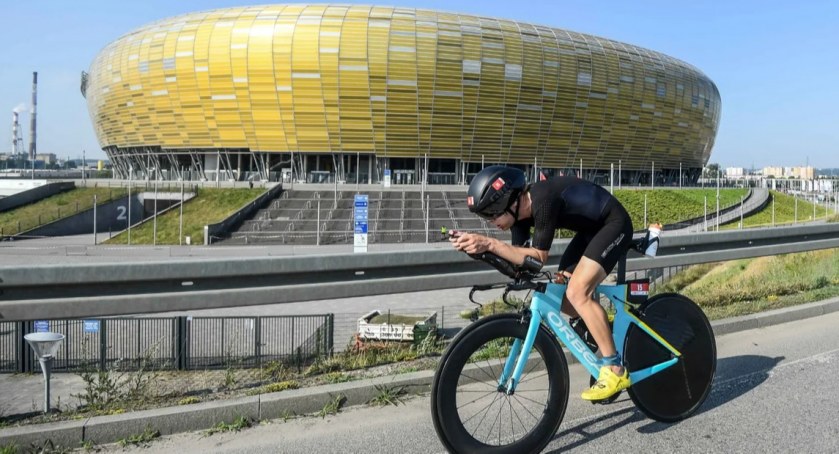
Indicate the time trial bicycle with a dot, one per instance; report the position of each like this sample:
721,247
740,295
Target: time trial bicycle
502,384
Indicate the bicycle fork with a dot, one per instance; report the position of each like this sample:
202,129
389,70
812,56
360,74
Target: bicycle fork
514,366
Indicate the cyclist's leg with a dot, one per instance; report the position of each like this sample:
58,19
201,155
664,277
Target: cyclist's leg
601,255
568,262
587,275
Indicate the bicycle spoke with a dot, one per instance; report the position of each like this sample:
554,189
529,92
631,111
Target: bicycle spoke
545,373
475,400
512,421
517,416
497,419
526,409
482,419
492,384
492,370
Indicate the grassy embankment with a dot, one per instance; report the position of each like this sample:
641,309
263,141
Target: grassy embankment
748,286
55,207
208,207
785,213
668,206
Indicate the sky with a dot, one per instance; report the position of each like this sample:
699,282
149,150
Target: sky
775,63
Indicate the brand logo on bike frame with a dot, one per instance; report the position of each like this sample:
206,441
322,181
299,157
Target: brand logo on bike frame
572,339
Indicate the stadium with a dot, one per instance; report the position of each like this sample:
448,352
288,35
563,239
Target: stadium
370,94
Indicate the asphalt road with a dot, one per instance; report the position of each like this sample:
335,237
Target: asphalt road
772,393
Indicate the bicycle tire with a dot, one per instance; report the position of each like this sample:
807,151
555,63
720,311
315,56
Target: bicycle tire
449,380
678,391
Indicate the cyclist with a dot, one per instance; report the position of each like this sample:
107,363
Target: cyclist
502,196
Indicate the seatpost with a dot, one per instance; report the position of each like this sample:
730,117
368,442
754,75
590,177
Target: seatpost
622,269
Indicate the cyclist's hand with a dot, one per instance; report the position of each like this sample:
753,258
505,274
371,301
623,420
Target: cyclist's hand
470,243
561,277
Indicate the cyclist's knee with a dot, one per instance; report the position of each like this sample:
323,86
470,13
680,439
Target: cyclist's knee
578,296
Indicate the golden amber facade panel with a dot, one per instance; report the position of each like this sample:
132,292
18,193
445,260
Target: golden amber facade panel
399,82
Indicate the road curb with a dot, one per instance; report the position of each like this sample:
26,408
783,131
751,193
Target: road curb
202,416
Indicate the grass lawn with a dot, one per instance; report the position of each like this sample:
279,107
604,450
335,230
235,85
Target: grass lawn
55,207
748,286
785,212
209,206
667,206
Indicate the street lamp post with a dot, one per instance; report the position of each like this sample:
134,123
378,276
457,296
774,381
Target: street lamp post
652,176
130,178
45,346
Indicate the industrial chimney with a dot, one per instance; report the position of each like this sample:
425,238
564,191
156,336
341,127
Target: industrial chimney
17,137
32,148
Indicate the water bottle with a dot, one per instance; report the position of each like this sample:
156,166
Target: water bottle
651,240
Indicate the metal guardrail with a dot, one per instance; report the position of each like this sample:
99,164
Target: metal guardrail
75,291
172,343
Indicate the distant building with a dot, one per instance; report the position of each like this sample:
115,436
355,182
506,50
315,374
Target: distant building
802,173
48,158
773,172
734,172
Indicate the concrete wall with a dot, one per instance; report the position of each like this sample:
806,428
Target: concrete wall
111,216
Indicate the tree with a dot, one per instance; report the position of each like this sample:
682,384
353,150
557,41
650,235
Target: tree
712,171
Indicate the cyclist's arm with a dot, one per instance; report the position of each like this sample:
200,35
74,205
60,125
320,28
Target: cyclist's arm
473,243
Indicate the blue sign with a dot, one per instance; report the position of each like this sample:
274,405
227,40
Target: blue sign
91,326
360,222
387,172
42,326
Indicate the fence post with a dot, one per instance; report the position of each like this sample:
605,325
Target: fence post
21,349
103,344
299,360
331,336
180,339
257,339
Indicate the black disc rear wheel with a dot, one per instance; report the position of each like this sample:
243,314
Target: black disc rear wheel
676,392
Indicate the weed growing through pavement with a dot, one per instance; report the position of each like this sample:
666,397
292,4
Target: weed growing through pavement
286,415
333,406
238,424
189,400
141,439
105,390
388,395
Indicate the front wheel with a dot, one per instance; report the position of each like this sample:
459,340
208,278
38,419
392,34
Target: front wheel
473,413
676,392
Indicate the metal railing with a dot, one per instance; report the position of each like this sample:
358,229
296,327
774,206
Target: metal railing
96,289
171,343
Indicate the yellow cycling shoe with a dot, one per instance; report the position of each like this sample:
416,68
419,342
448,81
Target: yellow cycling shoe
608,384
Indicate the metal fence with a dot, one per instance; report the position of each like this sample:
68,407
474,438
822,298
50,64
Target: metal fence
182,343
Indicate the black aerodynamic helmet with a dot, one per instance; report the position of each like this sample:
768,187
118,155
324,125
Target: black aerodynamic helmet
494,189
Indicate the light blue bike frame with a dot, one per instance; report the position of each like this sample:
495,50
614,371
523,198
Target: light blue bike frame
546,307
